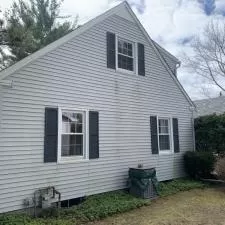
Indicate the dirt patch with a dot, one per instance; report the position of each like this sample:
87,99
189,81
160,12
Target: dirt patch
195,207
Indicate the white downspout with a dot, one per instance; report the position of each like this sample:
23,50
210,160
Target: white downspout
192,109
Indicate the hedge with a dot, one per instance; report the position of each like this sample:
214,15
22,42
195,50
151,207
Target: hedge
199,164
210,133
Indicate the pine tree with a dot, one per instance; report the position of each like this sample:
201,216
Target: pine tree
30,26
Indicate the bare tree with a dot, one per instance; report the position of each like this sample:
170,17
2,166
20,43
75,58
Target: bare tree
208,59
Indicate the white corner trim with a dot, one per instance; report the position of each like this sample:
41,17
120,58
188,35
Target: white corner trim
6,83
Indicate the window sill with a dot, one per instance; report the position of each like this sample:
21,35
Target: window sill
72,160
166,152
123,71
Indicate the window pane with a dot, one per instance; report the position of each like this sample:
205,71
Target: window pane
72,122
125,62
163,130
163,122
125,48
72,127
163,126
130,52
72,145
119,46
164,142
65,127
79,128
129,46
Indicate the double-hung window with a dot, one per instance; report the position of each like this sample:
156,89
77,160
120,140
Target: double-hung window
164,134
125,55
72,134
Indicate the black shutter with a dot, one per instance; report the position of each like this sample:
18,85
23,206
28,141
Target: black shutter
51,135
176,135
93,135
141,59
154,134
111,50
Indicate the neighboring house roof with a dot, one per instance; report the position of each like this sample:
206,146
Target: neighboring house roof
210,106
124,5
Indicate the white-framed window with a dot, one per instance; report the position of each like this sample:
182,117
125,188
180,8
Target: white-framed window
72,132
164,135
125,55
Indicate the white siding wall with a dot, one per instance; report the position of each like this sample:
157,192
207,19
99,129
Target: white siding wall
75,75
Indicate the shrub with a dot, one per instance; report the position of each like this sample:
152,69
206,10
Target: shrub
220,168
210,133
199,164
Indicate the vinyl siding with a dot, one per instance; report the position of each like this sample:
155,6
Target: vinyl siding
75,76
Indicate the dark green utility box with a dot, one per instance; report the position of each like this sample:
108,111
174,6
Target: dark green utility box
143,182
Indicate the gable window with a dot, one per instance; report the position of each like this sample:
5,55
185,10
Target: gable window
164,134
72,134
125,55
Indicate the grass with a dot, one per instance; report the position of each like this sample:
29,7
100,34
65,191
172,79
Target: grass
178,185
97,207
194,207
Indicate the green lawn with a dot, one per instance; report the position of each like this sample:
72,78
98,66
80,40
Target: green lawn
194,207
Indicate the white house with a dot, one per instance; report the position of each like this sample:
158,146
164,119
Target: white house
78,113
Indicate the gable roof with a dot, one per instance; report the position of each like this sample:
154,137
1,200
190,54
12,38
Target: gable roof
122,6
209,106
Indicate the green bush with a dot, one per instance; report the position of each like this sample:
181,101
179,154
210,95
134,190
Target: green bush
199,164
210,133
174,186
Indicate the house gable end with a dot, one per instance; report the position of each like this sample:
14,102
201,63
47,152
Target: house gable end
123,10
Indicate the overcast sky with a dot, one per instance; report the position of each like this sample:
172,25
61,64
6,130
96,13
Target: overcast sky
171,23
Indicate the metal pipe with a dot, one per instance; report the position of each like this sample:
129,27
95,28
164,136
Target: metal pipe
59,198
43,191
192,109
35,202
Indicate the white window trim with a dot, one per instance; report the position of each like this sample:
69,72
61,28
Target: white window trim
60,158
170,120
135,58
